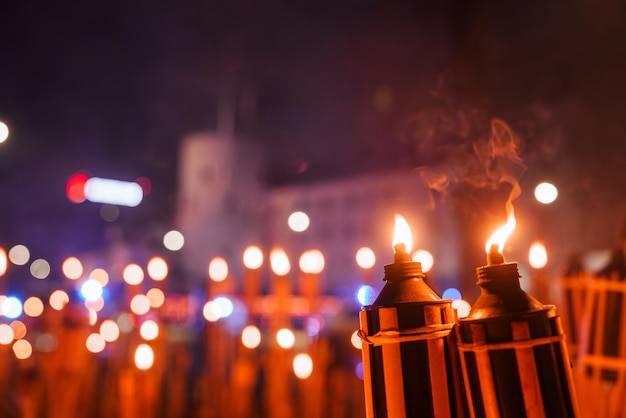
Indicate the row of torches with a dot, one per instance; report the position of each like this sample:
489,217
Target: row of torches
507,358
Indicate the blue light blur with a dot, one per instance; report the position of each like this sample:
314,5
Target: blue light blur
12,307
366,295
91,290
358,370
226,306
451,294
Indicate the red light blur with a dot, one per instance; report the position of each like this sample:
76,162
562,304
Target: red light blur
75,188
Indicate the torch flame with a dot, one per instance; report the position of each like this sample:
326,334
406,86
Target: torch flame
402,233
502,234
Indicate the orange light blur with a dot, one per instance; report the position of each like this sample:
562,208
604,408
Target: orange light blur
100,275
133,274
218,269
302,366
253,257
72,268
109,330
144,357
156,297
97,305
279,262
355,340
312,261
19,329
149,330
22,349
140,304
365,258
58,300
4,261
402,233
95,343
501,234
33,307
425,258
157,269
251,337
537,255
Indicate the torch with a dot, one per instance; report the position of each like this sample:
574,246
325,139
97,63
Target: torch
406,333
513,354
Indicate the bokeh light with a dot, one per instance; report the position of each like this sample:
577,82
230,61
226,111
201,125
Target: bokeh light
279,262
58,300
6,334
22,349
40,268
218,269
173,240
75,188
125,322
33,307
359,370
95,343
462,307
425,258
302,366
97,304
298,221
355,340
253,257
149,330
211,311
156,297
11,307
365,257
19,255
285,338
451,294
72,268
144,357
312,262
100,275
4,261
109,330
537,255
224,305
4,132
546,193
133,274
93,316
19,329
91,290
366,295
157,269
251,337
140,304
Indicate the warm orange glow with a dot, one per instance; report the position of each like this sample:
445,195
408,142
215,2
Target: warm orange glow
93,316
211,311
502,234
100,275
355,340
144,357
279,262
72,268
253,257
19,329
312,261
109,330
95,343
365,258
157,269
402,233
462,307
4,261
537,255
58,300
140,304
156,297
133,274
33,306
302,366
149,330
285,338
97,305
251,337
218,269
425,258
22,349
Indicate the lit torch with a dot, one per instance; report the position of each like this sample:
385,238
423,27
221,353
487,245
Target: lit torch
409,367
513,354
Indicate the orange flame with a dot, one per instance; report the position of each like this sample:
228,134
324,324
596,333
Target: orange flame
503,233
402,233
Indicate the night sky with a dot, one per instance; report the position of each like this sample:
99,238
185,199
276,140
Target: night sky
329,88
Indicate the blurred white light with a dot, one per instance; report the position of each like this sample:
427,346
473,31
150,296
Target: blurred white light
133,274
312,262
218,269
91,290
355,340
58,300
425,258
22,349
6,334
40,268
173,240
462,307
4,261
253,257
366,295
225,305
11,307
144,357
19,255
546,193
537,255
279,262
157,269
95,343
149,330
211,311
251,337
109,330
4,132
298,221
285,338
113,192
302,366
72,268
365,257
